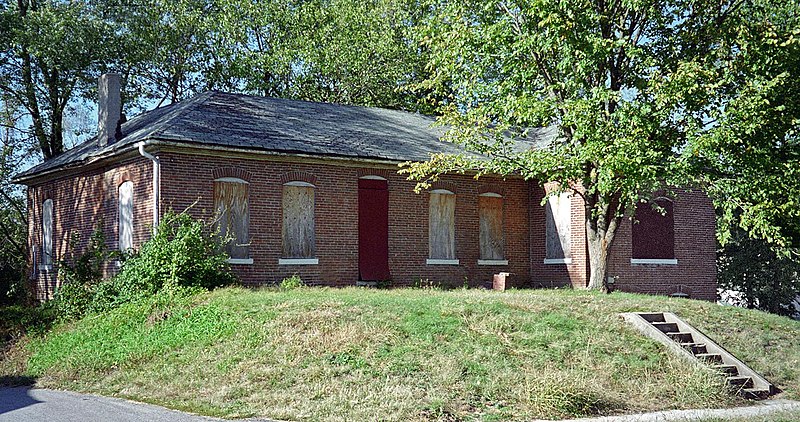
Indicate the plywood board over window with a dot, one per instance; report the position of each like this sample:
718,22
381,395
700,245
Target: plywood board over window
557,227
298,220
47,233
125,223
233,215
490,214
441,225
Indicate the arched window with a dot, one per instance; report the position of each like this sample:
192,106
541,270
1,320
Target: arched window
558,231
490,216
231,197
125,223
47,233
441,227
653,233
299,239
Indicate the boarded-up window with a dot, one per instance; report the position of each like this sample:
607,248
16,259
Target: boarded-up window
653,233
47,232
298,220
233,215
441,225
490,214
557,227
125,227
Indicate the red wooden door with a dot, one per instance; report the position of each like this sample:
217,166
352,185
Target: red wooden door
373,230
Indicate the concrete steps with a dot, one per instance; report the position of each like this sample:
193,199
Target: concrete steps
692,344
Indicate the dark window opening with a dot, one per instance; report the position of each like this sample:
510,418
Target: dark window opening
653,232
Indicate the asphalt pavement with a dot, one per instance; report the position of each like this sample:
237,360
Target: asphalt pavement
24,404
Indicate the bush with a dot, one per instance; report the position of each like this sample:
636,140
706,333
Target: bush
87,267
18,320
73,300
80,275
292,283
182,254
13,262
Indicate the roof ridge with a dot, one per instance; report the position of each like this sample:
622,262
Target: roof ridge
324,103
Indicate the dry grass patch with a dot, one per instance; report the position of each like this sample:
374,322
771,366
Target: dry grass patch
354,354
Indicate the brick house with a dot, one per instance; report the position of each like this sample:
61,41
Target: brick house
312,189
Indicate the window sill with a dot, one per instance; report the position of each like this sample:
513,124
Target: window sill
492,262
240,261
647,261
43,268
298,261
558,261
442,262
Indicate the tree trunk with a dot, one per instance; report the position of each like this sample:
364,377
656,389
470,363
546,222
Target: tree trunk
602,219
598,262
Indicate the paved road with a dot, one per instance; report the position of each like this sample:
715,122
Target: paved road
23,404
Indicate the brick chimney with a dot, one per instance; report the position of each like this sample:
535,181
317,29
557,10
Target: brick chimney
109,108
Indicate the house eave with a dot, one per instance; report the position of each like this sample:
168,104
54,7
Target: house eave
185,147
169,145
271,155
93,162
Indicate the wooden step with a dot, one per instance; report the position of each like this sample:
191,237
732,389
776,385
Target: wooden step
727,369
681,337
740,381
695,348
666,327
754,393
710,357
653,317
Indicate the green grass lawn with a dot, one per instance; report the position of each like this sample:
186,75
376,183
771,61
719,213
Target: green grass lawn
358,354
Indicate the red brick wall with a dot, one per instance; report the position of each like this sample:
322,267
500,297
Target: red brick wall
557,275
188,180
79,204
695,250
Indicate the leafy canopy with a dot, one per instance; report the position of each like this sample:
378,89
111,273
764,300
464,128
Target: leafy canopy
643,95
749,159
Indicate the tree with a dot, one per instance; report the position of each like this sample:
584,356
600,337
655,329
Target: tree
49,50
13,224
627,85
751,274
342,51
749,161
174,49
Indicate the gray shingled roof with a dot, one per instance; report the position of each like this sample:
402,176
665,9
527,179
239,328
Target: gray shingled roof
279,125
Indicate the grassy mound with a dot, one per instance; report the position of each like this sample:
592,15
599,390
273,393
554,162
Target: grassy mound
354,354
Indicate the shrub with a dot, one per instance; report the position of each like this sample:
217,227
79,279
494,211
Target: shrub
87,267
292,283
181,256
182,253
18,320
73,300
80,275
754,274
